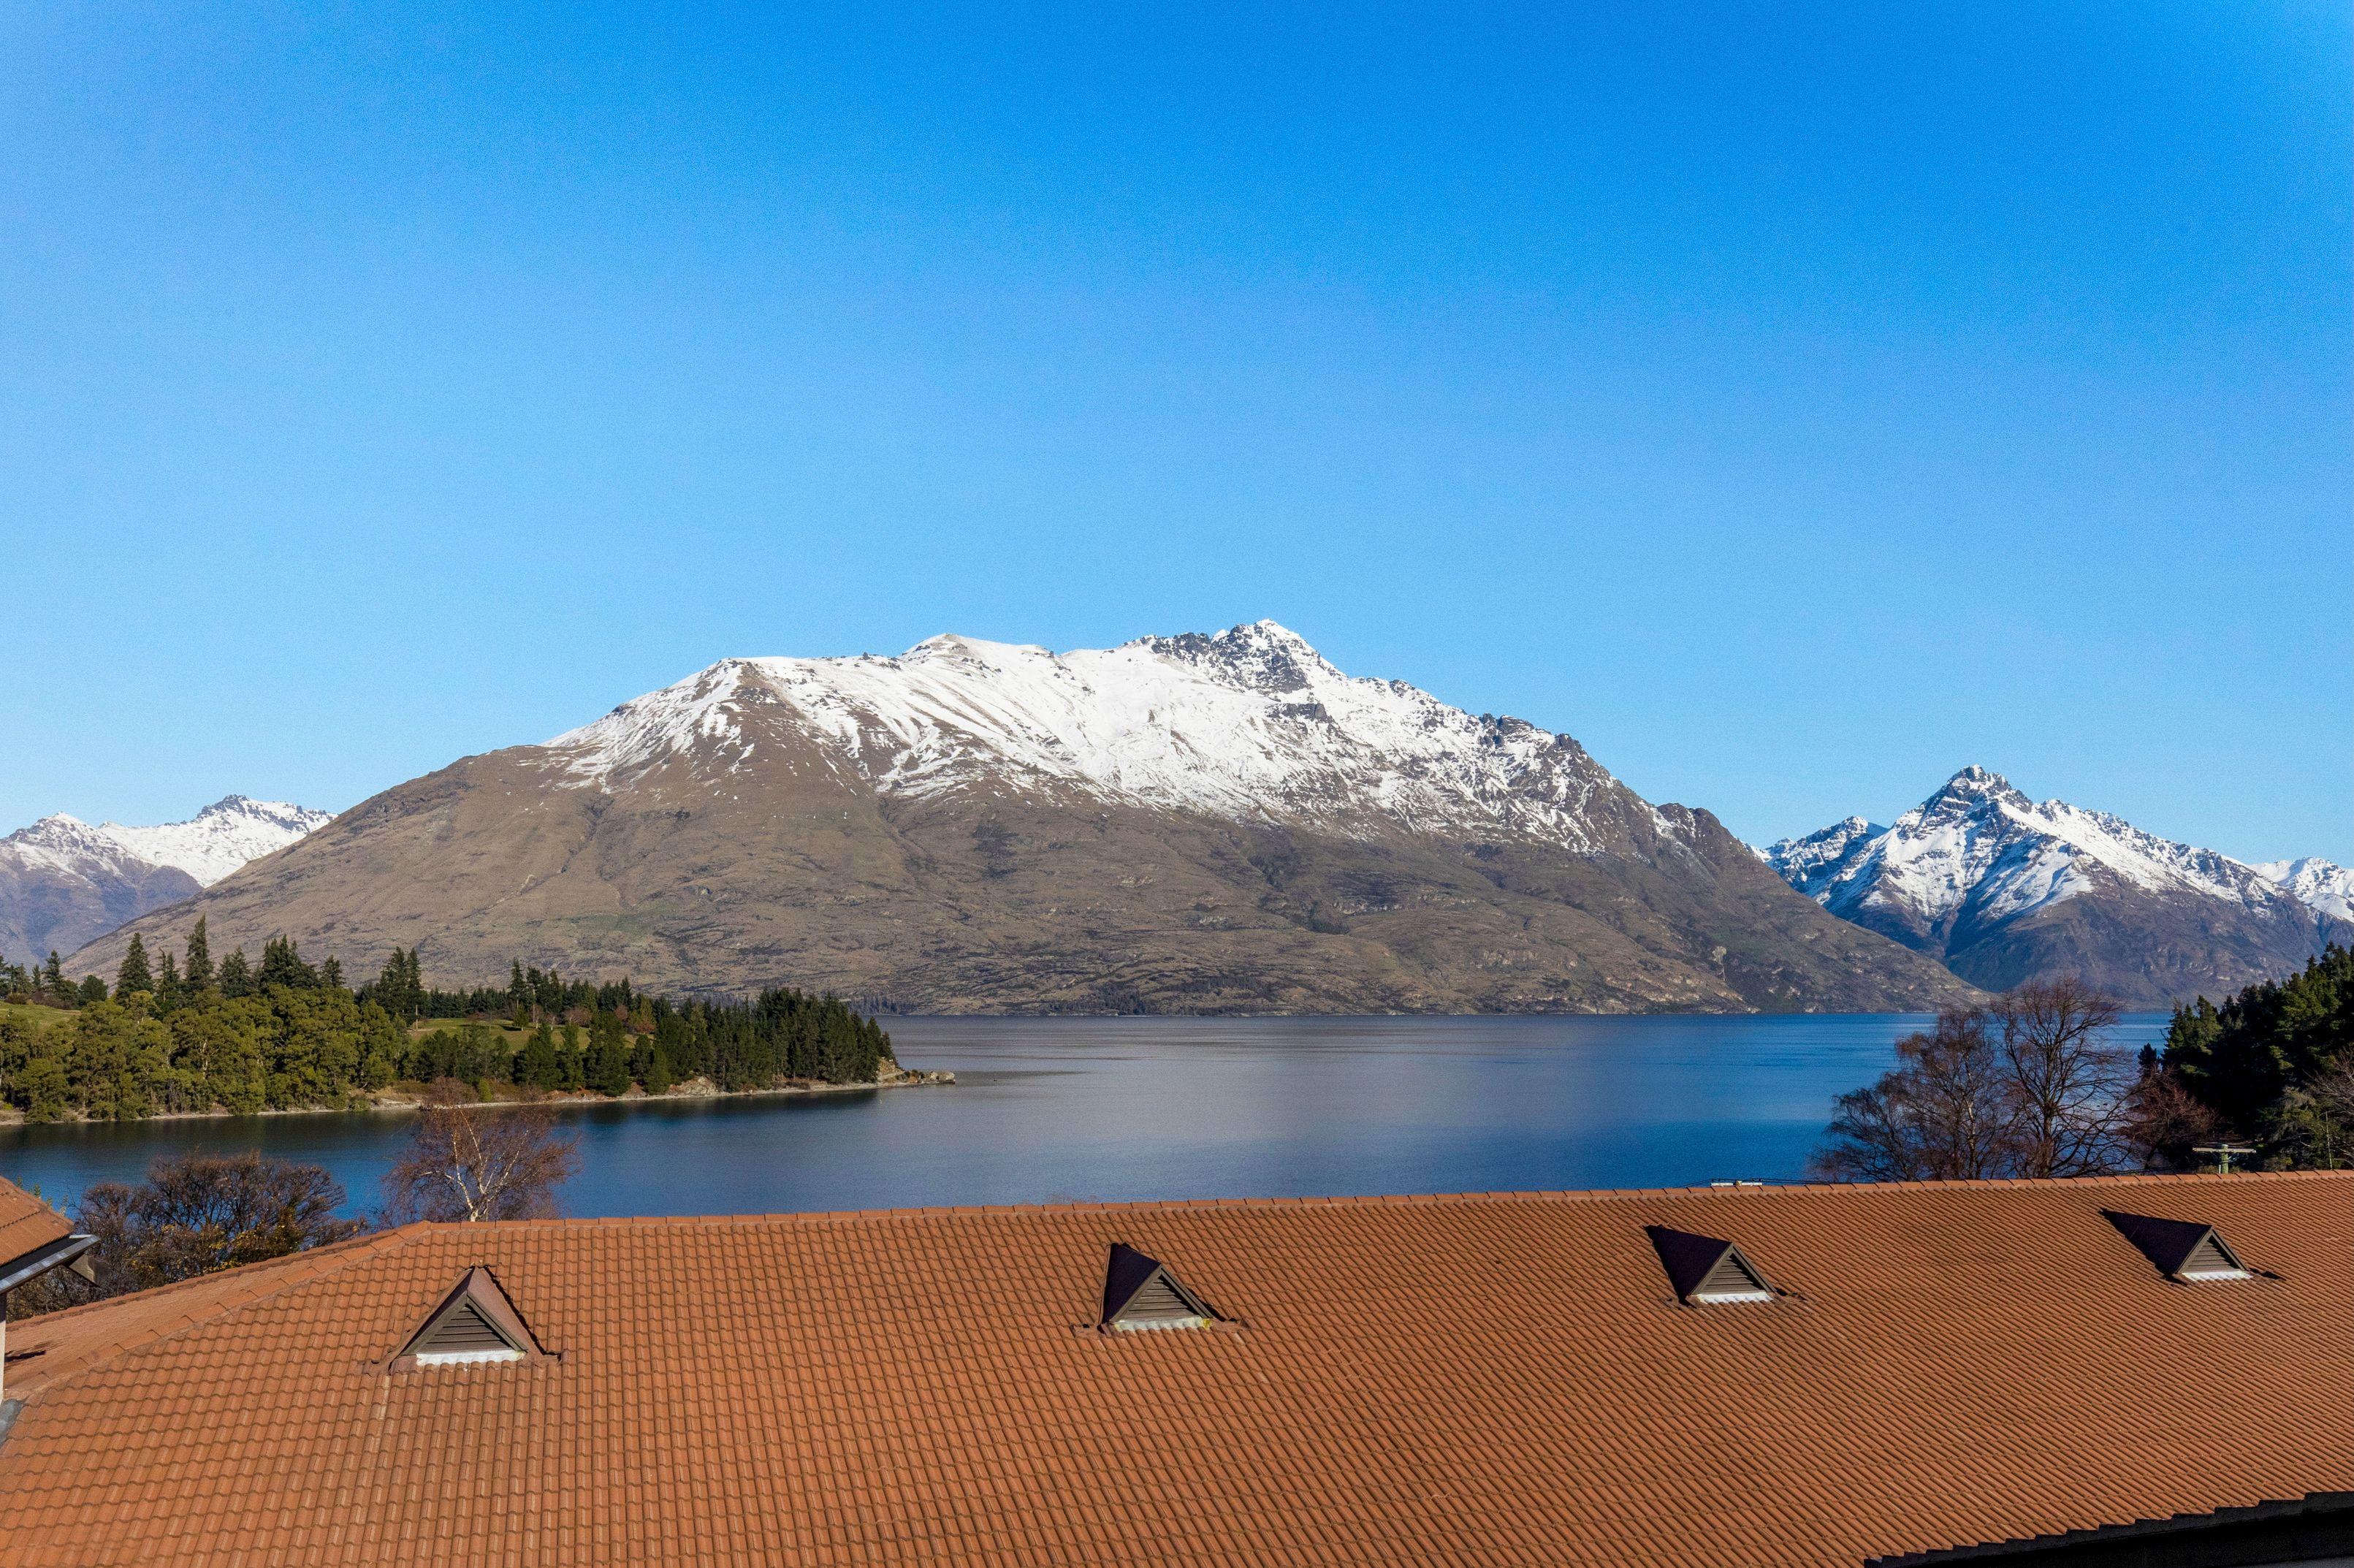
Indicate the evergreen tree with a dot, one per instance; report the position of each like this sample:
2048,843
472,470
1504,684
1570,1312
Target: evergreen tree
650,1068
282,965
535,1064
93,990
132,975
53,976
330,973
168,984
518,992
608,1057
2260,1059
572,1067
199,967
380,1046
235,975
397,988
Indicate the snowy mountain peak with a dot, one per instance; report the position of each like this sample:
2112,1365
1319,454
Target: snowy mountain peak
2323,886
1970,789
1250,722
1980,851
1261,656
218,840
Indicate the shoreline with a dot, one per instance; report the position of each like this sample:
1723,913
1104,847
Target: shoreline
388,1102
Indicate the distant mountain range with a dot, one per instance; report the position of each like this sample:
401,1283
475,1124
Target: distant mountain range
64,883
2002,888
1197,824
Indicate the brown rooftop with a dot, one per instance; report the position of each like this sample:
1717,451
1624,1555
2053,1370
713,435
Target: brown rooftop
27,1223
1499,1379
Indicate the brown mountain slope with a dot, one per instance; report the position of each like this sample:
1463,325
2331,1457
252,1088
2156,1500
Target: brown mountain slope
1012,902
1213,824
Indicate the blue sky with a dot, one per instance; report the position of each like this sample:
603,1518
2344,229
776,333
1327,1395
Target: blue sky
1792,403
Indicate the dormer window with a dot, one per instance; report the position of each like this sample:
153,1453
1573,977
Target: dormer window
1139,1294
2183,1250
1707,1271
476,1323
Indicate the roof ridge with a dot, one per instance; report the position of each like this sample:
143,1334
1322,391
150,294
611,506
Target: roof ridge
1361,1200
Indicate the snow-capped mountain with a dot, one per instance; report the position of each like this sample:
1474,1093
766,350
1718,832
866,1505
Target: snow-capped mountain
218,840
1191,823
2320,885
1251,724
64,882
2005,888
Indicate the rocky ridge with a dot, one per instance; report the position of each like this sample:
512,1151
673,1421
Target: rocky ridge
64,881
2003,889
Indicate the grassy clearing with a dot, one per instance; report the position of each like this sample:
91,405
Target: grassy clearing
39,1017
506,1033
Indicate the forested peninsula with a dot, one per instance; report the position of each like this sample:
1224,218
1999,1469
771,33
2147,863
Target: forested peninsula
185,1036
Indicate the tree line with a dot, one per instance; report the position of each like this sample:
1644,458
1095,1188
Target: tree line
2274,1065
186,1035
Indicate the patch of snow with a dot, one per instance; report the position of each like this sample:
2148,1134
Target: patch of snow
216,840
2323,886
1250,724
1981,845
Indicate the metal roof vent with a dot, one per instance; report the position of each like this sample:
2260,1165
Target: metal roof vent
1139,1293
475,1322
2181,1249
1707,1271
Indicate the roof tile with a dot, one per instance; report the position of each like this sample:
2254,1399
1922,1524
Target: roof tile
1467,1379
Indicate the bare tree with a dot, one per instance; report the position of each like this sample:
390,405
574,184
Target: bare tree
2311,1128
2164,1122
2028,1087
1943,1112
2067,1083
195,1214
479,1162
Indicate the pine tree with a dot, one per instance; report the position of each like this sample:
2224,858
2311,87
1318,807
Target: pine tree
282,965
235,974
133,974
93,990
199,968
535,1064
518,991
330,973
608,1057
397,988
168,984
53,976
572,1071
650,1067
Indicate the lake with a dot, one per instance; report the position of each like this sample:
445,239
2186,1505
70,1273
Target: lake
1052,1110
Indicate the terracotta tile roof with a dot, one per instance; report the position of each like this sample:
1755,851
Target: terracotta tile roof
27,1223
1499,1378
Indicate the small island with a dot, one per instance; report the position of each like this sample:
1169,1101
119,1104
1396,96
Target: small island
184,1036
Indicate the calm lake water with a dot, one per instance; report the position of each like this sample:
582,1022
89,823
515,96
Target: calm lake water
1062,1110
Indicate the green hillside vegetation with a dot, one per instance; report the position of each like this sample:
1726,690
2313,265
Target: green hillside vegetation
186,1037
2276,1063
